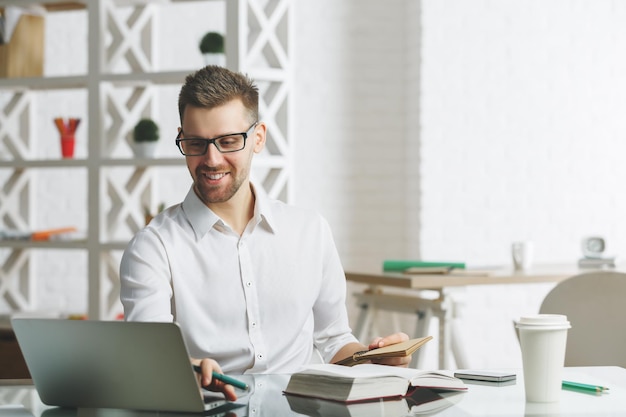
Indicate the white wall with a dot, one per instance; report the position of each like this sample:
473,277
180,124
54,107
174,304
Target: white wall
446,129
350,121
520,136
522,127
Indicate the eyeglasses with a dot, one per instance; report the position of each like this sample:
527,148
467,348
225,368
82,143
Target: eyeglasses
232,142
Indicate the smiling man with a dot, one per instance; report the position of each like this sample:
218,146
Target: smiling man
256,285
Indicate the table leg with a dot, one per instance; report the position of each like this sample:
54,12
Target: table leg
456,304
370,302
364,322
421,330
444,336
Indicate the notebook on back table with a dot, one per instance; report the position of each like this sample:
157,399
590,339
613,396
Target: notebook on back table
111,364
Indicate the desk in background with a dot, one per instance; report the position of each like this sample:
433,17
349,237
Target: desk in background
267,400
412,301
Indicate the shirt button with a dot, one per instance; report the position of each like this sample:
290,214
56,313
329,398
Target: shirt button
253,324
259,356
248,284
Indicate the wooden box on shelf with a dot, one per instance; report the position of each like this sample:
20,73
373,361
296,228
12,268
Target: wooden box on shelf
22,56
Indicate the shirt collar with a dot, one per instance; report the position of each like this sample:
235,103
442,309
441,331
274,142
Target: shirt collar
202,218
262,209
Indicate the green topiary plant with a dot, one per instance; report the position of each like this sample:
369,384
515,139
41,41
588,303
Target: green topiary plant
212,42
146,130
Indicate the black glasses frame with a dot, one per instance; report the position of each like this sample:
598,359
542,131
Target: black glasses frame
213,141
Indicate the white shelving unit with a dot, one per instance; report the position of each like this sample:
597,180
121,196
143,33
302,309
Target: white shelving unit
121,34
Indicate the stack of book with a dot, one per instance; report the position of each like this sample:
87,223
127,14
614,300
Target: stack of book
413,267
37,235
596,263
401,265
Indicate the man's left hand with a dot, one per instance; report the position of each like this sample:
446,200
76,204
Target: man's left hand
391,340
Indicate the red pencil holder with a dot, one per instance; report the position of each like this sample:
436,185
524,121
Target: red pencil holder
67,146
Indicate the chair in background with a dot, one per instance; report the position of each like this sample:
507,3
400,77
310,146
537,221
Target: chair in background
595,305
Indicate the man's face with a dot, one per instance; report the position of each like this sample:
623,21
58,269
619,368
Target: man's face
219,176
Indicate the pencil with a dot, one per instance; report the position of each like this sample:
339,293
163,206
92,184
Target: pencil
224,378
60,125
583,387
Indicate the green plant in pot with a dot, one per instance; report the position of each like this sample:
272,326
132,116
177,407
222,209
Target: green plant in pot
212,48
145,137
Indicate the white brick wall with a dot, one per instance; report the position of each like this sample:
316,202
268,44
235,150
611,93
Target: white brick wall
520,137
350,119
524,99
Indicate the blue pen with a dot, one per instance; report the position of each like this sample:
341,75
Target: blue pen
225,378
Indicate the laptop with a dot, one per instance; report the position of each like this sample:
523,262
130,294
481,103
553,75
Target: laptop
112,364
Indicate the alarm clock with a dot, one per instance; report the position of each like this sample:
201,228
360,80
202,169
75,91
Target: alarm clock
593,247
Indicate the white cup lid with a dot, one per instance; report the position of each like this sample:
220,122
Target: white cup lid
544,321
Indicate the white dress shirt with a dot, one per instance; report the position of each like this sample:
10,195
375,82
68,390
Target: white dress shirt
255,303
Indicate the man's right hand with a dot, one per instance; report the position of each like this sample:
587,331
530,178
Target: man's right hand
208,366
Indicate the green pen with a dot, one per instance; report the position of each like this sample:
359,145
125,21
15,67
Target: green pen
225,378
583,387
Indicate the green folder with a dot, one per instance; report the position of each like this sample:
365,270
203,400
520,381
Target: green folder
402,265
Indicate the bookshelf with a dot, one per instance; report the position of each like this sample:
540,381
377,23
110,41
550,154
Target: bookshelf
121,83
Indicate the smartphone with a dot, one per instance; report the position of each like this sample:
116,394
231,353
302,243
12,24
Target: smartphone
488,376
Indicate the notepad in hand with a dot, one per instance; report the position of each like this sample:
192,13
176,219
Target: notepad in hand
366,382
398,350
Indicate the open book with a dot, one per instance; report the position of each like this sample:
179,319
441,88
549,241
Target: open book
397,350
366,382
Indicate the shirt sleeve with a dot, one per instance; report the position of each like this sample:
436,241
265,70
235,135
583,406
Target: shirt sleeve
332,330
145,282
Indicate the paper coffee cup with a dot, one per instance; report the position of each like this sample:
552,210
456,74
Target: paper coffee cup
543,338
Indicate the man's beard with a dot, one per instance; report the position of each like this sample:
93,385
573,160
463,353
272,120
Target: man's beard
216,194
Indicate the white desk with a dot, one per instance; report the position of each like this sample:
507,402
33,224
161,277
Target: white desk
411,301
267,400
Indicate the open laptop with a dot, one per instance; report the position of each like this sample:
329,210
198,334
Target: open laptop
111,364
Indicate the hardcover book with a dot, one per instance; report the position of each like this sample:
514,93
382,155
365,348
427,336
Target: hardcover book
366,382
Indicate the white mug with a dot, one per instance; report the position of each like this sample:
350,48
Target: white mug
522,253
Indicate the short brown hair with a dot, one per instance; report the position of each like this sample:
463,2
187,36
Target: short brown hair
213,86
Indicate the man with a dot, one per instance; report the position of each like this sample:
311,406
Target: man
256,285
